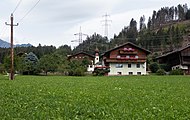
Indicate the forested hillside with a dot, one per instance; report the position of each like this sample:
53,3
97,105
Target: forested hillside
166,30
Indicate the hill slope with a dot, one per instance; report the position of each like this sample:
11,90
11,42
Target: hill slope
4,44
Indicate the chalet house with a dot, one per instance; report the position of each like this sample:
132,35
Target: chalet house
127,59
83,55
178,59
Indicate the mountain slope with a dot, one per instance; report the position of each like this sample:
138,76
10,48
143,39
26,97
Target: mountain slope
23,45
4,44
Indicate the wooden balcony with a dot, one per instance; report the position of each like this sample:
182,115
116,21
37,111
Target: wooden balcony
122,60
122,52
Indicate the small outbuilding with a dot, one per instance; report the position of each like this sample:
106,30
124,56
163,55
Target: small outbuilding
178,59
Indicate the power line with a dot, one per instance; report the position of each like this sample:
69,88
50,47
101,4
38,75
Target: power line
3,31
17,6
29,10
4,27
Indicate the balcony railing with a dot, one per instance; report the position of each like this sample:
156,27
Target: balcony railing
127,52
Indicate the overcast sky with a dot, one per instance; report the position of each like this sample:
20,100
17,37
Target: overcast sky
54,22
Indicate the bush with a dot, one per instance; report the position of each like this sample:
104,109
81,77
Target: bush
100,72
165,67
176,72
80,71
154,67
2,69
160,72
76,72
75,68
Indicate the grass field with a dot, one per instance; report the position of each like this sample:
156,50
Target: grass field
112,98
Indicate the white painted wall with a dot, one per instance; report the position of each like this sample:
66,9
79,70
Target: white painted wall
90,68
125,70
183,67
96,60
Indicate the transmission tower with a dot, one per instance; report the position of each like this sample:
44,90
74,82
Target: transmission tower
80,35
106,24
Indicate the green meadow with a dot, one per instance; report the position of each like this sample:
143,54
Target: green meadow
106,98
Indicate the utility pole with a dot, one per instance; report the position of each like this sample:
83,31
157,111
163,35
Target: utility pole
12,49
106,24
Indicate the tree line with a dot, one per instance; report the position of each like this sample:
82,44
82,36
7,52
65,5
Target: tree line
163,32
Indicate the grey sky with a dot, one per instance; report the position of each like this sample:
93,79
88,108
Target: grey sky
54,22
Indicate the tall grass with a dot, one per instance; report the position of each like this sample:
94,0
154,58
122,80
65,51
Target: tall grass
127,97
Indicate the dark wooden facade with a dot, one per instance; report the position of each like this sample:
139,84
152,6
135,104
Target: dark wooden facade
81,56
177,57
128,52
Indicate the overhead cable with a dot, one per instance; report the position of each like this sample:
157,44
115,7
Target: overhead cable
29,11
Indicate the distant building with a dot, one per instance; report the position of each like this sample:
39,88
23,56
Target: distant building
127,59
178,59
83,55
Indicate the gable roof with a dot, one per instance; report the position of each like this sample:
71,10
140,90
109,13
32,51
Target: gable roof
172,52
128,43
81,53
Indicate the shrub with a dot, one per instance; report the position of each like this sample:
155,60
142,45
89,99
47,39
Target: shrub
154,67
176,72
77,72
100,72
165,67
160,72
29,64
75,68
2,69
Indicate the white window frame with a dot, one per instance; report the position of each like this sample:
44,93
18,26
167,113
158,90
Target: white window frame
119,65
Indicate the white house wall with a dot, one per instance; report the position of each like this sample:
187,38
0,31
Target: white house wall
125,70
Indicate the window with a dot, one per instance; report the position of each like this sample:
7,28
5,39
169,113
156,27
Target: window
129,65
119,73
138,65
119,65
130,73
138,73
118,56
125,49
136,57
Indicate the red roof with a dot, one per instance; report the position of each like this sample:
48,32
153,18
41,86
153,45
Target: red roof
128,43
82,53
